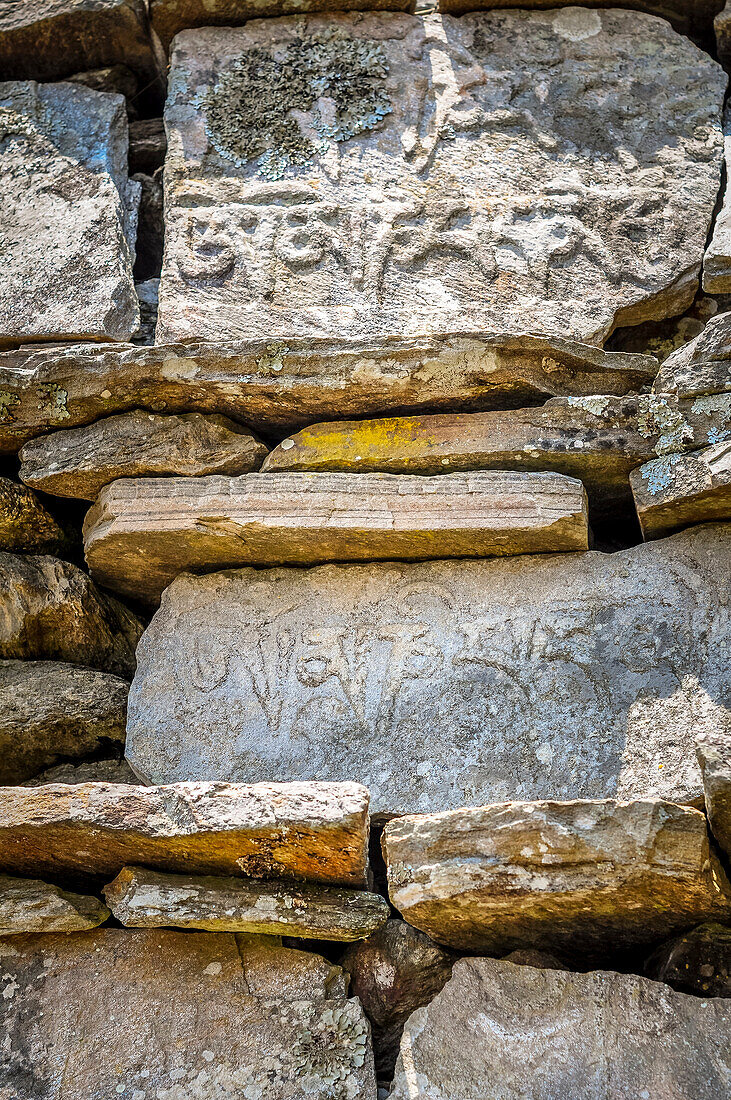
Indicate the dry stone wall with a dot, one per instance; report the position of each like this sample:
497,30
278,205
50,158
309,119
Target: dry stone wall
365,543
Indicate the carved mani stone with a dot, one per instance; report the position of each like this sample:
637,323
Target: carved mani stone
378,174
141,533
681,489
445,684
69,216
173,1016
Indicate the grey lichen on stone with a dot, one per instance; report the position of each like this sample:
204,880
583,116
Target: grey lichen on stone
336,80
328,1047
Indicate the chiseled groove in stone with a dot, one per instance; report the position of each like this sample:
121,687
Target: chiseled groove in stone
29,905
680,490
581,876
276,386
140,534
312,831
140,898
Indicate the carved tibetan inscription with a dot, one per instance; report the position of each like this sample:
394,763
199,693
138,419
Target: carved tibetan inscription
378,174
445,684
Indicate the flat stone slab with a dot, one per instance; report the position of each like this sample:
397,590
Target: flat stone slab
80,462
698,962
172,1015
445,684
29,905
436,188
580,877
25,524
140,534
140,898
276,386
51,711
108,770
687,16
680,490
701,368
600,1036
50,609
69,215
714,756
308,831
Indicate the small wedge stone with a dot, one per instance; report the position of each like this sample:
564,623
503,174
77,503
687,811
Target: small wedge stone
681,490
29,905
93,771
80,462
140,898
701,369
717,259
25,525
584,876
697,962
714,756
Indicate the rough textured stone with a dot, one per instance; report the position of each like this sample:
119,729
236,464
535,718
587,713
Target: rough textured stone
51,712
583,876
24,522
80,462
722,25
140,534
445,684
178,1017
465,173
151,230
47,39
117,78
69,216
392,973
496,1028
698,962
147,145
596,439
717,260
310,831
108,770
140,898
29,905
50,609
701,369
688,16
679,490
714,756
147,293
284,386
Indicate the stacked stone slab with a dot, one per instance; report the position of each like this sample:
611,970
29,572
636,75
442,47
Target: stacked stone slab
688,16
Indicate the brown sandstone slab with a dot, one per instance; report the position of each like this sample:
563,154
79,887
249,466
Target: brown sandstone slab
680,490
275,385
25,524
586,876
174,1016
140,534
80,462
50,609
140,898
29,905
309,831
429,190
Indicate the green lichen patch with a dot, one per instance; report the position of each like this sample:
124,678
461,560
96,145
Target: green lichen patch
53,402
337,81
8,401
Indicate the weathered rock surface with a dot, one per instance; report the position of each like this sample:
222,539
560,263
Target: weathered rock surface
283,386
147,294
69,217
50,609
596,439
24,522
108,770
310,831
688,16
29,905
51,711
583,876
717,260
80,462
602,1036
140,898
567,676
140,534
392,973
714,756
47,39
174,1016
151,227
277,226
698,962
722,25
147,145
679,490
702,368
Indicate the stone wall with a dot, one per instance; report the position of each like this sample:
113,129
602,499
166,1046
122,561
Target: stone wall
365,542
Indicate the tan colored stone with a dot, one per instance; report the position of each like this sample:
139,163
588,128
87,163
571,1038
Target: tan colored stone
714,756
722,24
280,386
702,368
175,1016
51,610
583,876
140,898
680,490
140,534
51,711
511,1032
80,462
373,174
697,962
24,522
687,16
309,831
29,905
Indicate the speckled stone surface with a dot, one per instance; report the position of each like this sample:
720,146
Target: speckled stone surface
680,490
